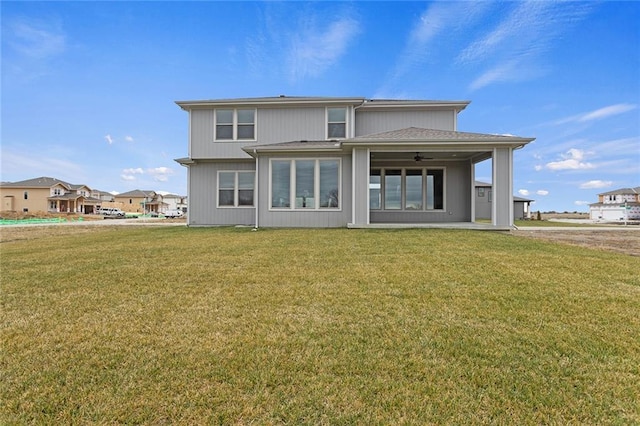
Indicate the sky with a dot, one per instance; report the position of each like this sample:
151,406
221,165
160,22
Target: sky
88,89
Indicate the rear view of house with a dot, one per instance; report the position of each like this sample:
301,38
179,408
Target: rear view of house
339,162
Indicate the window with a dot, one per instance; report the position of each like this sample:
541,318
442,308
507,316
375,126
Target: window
26,195
406,189
235,189
57,191
235,124
307,184
336,123
375,202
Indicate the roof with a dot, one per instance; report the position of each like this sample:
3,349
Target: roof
283,100
39,182
623,191
302,145
418,134
136,193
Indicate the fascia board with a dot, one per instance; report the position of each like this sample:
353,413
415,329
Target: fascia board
268,102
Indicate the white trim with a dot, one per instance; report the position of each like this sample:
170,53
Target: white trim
236,189
234,125
368,191
346,122
256,192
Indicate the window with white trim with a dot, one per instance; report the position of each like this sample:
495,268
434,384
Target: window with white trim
305,184
406,189
236,188
336,123
235,124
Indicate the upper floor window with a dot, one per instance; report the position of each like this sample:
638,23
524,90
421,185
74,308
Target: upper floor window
26,195
57,191
235,124
336,123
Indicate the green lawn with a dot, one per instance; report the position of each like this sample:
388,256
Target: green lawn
229,326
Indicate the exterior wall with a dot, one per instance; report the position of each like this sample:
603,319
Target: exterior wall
457,202
614,212
483,204
272,125
36,199
129,204
370,122
203,197
304,218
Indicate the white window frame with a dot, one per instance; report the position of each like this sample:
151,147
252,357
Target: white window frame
236,190
403,192
346,122
316,177
234,124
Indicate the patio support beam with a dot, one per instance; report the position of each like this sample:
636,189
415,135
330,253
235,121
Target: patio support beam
360,189
502,205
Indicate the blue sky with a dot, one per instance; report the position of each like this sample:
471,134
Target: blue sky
88,88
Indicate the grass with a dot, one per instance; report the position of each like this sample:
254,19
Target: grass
229,326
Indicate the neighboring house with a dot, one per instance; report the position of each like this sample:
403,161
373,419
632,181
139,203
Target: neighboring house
339,162
46,194
484,197
175,202
618,205
138,201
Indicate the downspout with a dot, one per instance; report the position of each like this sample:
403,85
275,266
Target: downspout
256,193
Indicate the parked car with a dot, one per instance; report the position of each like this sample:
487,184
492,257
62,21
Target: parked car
112,213
173,213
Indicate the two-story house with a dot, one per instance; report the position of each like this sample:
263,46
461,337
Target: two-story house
617,205
139,201
46,194
339,162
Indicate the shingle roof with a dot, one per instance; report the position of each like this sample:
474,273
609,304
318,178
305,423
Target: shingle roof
39,182
136,193
623,191
435,135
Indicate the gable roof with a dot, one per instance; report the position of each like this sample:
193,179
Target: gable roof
623,191
39,182
136,193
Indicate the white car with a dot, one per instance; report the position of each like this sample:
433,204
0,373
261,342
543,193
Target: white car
173,213
109,212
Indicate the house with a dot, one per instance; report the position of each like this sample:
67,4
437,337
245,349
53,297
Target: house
47,194
484,197
175,202
339,162
138,201
617,206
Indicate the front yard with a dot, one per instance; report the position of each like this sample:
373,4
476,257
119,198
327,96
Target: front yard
190,326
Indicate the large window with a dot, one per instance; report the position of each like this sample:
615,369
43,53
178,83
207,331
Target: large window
336,123
306,184
235,189
406,189
235,124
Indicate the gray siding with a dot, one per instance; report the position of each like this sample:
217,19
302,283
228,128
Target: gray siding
457,200
203,188
370,122
307,218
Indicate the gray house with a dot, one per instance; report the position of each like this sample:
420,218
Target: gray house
484,203
339,162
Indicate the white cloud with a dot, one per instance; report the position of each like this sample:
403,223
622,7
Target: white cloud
36,39
596,184
572,161
598,114
128,177
128,138
133,171
524,192
316,48
542,192
109,139
582,203
160,174
538,167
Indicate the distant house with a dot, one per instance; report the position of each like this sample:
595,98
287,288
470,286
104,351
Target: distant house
47,194
616,206
139,201
339,162
175,202
484,203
